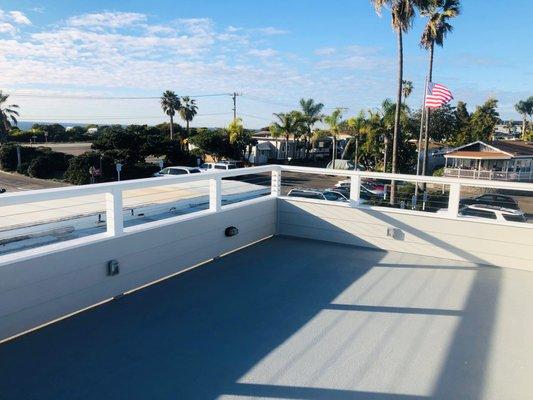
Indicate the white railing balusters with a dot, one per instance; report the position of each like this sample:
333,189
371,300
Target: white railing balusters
215,194
453,199
355,189
114,216
276,182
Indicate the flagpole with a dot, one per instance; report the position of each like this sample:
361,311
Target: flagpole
420,135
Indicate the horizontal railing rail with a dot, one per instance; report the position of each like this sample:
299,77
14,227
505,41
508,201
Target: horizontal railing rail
113,191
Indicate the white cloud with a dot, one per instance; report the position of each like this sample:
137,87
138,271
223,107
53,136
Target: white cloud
106,19
270,31
263,53
19,18
325,51
6,27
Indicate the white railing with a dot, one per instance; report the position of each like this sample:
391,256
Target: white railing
114,190
489,175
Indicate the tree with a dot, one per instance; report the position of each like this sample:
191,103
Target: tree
439,12
525,109
402,13
484,120
188,110
356,127
334,122
8,116
288,124
312,113
213,142
407,89
239,137
170,103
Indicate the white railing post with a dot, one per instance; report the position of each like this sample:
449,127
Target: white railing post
355,189
215,194
453,199
114,217
276,182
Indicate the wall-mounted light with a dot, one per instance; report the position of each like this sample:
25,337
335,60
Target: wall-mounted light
113,268
231,231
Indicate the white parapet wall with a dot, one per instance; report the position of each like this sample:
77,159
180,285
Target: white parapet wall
483,242
40,285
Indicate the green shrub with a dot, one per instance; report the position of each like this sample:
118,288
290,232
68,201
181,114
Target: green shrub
49,164
438,172
8,157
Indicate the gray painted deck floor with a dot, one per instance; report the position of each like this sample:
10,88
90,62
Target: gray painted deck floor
292,319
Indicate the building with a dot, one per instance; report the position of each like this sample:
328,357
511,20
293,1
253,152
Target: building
271,296
497,160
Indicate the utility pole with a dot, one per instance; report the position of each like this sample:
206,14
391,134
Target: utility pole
234,97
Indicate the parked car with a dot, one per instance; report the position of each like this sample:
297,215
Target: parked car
319,194
492,200
374,188
235,163
224,166
205,167
492,212
168,171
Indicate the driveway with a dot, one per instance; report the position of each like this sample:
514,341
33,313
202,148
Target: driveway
14,182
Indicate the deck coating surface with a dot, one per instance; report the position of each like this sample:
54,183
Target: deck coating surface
292,319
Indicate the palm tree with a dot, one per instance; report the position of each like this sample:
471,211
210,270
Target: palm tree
288,124
170,103
525,108
356,126
402,13
312,113
407,89
334,122
439,12
8,115
188,110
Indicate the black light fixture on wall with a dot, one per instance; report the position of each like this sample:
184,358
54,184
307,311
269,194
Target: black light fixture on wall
231,231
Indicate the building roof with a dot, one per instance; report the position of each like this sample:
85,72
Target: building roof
494,150
486,155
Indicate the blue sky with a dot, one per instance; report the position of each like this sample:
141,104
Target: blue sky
274,52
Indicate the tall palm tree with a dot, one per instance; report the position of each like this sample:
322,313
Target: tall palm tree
439,12
334,122
8,115
312,113
188,110
288,124
402,13
525,108
170,103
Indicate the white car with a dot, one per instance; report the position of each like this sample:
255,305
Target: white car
208,166
169,171
485,211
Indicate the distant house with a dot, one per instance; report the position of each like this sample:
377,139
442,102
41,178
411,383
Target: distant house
498,160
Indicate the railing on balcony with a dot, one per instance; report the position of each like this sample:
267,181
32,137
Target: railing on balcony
114,192
521,176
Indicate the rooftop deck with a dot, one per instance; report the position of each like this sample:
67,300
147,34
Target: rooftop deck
296,319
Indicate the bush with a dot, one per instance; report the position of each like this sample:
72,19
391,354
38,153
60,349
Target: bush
138,171
438,172
9,160
78,169
49,164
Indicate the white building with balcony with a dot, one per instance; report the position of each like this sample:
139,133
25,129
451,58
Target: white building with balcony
271,296
498,160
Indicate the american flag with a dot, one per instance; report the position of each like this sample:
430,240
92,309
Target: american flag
437,95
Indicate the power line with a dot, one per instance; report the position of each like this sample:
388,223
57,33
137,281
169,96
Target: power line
94,97
66,117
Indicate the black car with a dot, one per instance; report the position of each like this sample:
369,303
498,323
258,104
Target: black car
2,190
492,200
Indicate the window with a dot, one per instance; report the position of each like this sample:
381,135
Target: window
472,212
307,195
515,218
177,171
332,196
221,167
194,171
165,171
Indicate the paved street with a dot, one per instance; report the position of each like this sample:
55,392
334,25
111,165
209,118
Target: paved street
17,182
